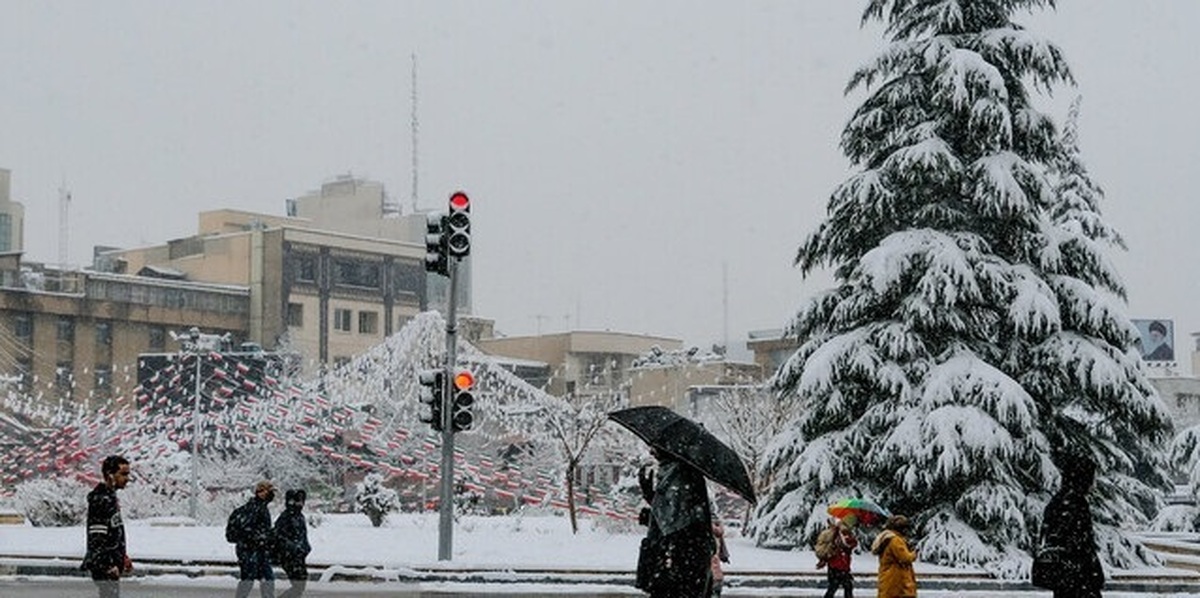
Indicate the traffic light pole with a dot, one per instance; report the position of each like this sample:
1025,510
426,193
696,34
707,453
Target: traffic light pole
446,473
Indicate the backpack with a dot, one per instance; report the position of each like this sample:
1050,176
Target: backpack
824,548
236,526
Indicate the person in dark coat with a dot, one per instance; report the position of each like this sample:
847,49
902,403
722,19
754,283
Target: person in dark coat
291,542
106,558
680,530
1068,537
255,543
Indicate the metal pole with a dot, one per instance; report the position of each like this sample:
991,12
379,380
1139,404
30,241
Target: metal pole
446,502
193,502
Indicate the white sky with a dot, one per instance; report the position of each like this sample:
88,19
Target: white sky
620,155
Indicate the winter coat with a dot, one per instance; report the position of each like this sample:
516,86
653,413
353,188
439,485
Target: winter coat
105,532
844,544
291,539
1067,528
682,559
256,533
896,576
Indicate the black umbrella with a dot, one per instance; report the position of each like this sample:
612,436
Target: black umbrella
668,431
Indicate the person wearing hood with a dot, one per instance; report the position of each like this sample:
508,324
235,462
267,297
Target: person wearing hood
291,542
253,547
896,576
676,556
843,543
1068,539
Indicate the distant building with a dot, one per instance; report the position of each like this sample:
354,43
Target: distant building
340,273
329,281
581,362
12,217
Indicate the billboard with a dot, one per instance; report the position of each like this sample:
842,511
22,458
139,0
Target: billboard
1158,339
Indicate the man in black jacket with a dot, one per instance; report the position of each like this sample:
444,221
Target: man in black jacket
254,543
106,558
291,542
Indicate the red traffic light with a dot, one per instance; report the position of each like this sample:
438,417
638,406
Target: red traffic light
460,201
464,380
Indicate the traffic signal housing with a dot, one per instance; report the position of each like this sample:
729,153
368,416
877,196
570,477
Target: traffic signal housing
435,244
432,393
458,225
463,416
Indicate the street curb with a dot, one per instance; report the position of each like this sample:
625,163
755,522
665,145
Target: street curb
13,565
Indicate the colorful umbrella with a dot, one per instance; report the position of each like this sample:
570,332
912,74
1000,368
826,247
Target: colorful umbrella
866,511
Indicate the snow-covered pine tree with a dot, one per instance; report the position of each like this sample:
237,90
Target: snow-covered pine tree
975,323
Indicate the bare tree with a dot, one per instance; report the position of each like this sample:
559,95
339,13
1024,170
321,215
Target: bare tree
572,424
747,418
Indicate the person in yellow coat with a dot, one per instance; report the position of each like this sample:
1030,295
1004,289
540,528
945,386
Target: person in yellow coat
896,576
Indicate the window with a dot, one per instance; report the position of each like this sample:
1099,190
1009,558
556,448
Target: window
66,329
103,383
23,326
340,362
295,315
63,377
368,322
306,268
104,334
357,273
6,232
25,371
341,320
158,338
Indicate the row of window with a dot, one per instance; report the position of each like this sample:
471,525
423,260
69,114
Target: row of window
64,377
22,328
343,319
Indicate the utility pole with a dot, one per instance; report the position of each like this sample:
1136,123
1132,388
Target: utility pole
446,473
194,500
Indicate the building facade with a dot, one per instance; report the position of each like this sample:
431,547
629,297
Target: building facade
12,217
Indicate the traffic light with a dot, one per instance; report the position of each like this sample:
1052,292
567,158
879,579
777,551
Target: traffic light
458,225
463,417
432,391
435,244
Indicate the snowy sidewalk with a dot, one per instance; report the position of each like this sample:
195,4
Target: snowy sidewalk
509,551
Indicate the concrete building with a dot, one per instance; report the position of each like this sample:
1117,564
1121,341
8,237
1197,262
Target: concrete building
580,362
12,217
333,278
76,335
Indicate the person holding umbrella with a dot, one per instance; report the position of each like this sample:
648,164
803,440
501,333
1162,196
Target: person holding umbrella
676,555
679,541
840,541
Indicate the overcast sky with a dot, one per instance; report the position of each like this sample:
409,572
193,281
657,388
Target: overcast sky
631,163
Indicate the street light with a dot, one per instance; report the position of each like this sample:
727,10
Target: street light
193,502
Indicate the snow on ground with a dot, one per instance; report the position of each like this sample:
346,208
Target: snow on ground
407,540
410,540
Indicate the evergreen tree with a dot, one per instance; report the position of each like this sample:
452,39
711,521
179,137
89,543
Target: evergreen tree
976,324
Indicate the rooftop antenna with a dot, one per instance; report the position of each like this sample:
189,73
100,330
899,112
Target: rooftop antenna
414,132
64,227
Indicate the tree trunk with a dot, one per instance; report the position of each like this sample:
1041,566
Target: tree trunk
571,466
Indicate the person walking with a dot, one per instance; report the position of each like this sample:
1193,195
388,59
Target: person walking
896,576
1067,550
106,558
291,542
676,556
841,545
251,525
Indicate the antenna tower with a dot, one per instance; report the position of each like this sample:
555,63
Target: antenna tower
414,133
64,226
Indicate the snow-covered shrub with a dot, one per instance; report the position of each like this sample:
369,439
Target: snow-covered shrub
54,502
374,499
1176,518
